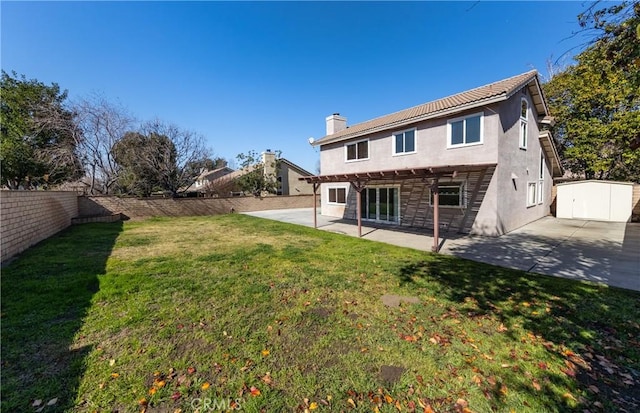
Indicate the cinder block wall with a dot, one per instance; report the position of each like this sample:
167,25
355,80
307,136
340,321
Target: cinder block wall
28,217
139,208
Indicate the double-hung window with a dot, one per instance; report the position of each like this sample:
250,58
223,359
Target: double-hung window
524,116
404,142
337,195
465,131
357,150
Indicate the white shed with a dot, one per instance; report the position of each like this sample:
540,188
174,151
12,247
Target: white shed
595,200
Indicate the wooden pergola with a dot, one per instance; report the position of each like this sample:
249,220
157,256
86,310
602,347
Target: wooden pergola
359,182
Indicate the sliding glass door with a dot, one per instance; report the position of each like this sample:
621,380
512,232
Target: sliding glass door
380,204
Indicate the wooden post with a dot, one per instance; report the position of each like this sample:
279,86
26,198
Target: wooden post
359,211
436,220
358,187
315,204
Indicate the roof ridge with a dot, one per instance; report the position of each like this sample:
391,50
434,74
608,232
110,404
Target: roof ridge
454,96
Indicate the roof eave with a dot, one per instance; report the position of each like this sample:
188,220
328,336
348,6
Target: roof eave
432,115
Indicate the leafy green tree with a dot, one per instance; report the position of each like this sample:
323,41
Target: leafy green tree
596,101
39,138
260,177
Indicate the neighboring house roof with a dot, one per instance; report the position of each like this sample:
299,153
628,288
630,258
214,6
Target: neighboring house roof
216,172
240,172
484,95
295,167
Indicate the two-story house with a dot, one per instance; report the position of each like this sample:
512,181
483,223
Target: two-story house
480,161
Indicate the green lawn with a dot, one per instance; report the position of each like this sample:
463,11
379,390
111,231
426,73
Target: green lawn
237,312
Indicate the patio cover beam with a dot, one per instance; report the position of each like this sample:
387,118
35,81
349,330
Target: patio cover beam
359,181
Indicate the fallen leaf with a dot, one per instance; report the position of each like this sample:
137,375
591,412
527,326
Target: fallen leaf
255,392
462,403
112,362
205,385
594,389
313,406
191,370
398,406
388,398
267,379
175,396
52,402
536,385
503,390
115,375
428,409
265,353
143,402
36,403
159,383
351,403
502,328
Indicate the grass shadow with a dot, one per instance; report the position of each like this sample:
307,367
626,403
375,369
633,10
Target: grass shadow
46,293
591,328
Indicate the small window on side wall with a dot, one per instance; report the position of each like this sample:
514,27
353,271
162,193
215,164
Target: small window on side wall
524,116
338,195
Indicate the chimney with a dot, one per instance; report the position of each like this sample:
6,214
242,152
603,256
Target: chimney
336,123
269,162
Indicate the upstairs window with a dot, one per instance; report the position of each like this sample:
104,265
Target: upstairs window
357,151
404,142
524,116
465,131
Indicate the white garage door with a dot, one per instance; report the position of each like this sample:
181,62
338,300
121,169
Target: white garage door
595,200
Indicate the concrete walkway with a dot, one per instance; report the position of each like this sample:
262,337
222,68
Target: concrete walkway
603,252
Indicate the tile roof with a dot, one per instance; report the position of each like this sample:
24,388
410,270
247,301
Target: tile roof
492,92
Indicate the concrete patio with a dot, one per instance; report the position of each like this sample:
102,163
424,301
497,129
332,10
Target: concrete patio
602,252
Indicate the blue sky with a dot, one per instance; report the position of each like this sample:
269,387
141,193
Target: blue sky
252,76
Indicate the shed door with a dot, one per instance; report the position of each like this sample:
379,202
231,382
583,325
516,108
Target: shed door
591,201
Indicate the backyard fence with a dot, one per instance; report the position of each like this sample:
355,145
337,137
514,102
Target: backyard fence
28,217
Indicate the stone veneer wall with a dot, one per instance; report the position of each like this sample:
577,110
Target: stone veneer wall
28,217
138,208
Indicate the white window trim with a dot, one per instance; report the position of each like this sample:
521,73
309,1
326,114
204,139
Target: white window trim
415,142
459,118
524,120
356,143
535,201
346,194
541,166
463,195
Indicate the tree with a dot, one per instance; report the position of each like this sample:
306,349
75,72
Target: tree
177,172
39,138
161,157
260,177
102,124
596,101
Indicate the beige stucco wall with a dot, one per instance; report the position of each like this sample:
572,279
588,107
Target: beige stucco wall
431,148
28,217
523,163
291,185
